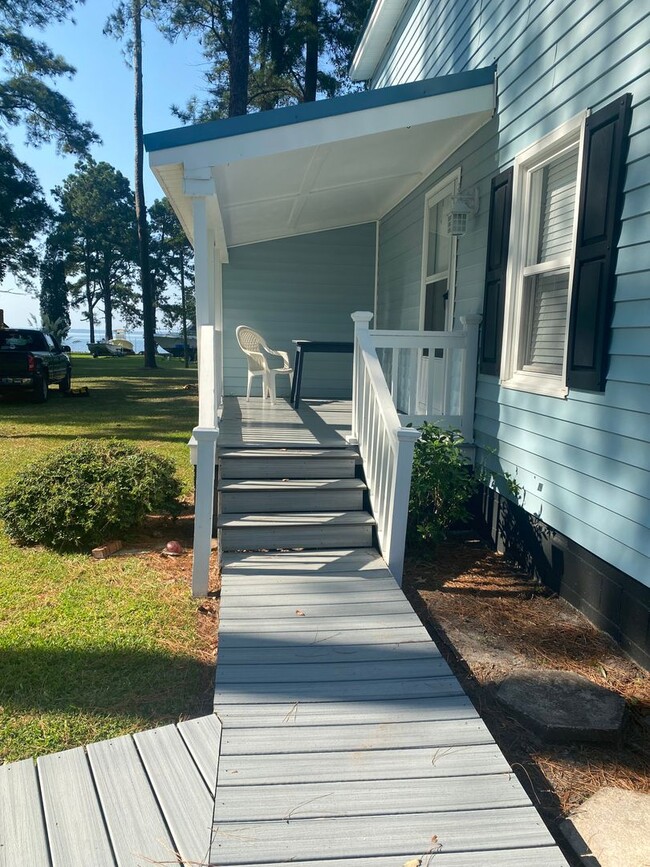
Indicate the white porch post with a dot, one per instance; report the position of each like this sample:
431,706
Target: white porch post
470,325
206,443
204,436
406,439
361,321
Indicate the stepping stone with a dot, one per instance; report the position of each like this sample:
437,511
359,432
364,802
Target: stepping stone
611,829
560,706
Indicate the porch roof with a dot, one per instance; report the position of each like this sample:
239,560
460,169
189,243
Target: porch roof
321,165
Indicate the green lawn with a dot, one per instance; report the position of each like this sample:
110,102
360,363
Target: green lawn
91,649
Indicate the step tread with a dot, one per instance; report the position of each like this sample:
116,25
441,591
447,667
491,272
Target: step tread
249,485
300,454
292,519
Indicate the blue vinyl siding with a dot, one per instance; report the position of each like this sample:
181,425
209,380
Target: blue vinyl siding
301,287
583,464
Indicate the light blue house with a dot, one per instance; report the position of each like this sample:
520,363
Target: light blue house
497,167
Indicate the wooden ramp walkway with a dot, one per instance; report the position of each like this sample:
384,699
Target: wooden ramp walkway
127,802
346,739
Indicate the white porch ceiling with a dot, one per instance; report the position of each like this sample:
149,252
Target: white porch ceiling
276,174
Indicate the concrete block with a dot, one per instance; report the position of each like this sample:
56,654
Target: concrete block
611,829
563,707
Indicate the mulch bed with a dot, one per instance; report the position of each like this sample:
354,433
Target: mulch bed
489,618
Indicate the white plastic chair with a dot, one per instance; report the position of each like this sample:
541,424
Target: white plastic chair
256,350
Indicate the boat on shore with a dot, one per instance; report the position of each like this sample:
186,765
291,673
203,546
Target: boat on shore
115,347
173,344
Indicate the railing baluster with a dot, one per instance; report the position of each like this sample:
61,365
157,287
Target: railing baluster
385,446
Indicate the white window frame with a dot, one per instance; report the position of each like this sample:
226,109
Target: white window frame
434,196
535,157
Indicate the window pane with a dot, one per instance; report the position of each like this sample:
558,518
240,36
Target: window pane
435,306
545,324
439,244
558,194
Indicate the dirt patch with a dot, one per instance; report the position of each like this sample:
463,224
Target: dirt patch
149,543
490,619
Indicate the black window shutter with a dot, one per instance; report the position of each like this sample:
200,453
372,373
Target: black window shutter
599,225
495,272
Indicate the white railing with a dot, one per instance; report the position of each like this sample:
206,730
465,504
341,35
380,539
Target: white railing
432,374
432,377
203,452
385,446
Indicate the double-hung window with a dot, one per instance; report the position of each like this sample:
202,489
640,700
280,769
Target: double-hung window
538,283
438,260
554,221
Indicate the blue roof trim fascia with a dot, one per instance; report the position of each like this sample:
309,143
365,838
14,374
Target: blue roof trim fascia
306,111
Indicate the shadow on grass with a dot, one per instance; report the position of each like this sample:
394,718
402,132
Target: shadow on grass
153,684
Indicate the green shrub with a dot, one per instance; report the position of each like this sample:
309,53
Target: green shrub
86,493
441,485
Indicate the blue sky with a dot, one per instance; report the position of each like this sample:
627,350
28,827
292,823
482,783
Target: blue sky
102,93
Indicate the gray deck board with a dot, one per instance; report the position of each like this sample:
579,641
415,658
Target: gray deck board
330,625
317,672
185,799
137,830
317,590
547,856
74,819
315,609
386,690
346,737
357,798
23,841
346,837
202,738
320,638
328,562
389,764
322,653
292,715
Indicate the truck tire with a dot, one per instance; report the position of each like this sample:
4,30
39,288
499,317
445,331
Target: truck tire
66,384
40,389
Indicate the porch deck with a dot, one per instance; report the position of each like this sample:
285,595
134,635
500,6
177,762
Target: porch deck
258,423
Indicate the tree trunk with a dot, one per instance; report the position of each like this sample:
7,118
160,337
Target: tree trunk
89,296
311,51
91,320
238,101
148,306
108,310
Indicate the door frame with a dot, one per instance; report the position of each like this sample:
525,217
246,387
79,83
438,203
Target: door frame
436,194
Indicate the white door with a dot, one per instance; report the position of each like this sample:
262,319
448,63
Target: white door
436,308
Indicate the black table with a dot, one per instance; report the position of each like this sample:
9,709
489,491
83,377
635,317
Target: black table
304,346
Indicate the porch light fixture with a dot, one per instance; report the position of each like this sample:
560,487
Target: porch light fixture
462,206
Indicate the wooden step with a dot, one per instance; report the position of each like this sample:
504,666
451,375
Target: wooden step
290,495
243,532
287,463
295,566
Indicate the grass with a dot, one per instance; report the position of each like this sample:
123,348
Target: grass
93,649
152,407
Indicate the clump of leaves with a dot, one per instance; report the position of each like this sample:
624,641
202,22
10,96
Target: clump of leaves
441,485
86,493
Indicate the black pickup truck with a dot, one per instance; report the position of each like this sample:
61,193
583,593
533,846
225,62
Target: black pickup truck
34,360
